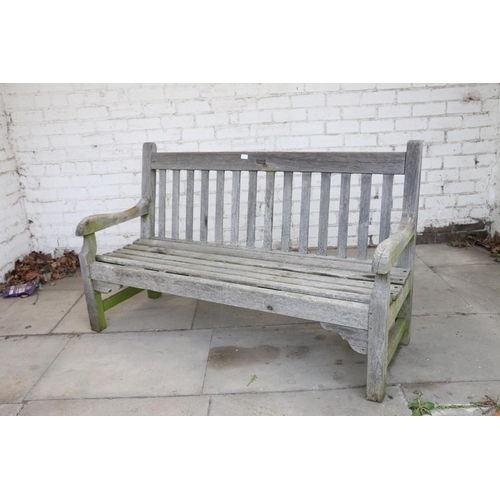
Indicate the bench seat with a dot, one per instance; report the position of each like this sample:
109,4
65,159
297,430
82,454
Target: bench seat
325,289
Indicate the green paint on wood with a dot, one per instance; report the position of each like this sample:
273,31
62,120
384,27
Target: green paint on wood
119,297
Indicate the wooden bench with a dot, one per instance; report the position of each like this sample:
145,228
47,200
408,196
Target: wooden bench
367,302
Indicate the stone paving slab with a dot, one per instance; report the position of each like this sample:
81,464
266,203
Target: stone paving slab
478,284
283,358
137,314
171,406
340,402
68,283
210,315
455,393
127,365
446,255
9,410
23,360
37,314
449,348
432,295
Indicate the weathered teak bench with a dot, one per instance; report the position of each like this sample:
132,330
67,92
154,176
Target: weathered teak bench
368,303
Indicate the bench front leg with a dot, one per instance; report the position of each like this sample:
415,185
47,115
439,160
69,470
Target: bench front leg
378,338
93,297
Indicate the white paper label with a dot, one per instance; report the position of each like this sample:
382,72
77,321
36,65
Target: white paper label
244,157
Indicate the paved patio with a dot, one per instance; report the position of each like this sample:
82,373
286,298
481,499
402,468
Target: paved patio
177,356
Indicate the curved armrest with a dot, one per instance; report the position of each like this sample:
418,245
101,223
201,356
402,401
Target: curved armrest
388,252
95,223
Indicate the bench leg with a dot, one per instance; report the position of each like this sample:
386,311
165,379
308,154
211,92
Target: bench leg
154,295
378,337
95,305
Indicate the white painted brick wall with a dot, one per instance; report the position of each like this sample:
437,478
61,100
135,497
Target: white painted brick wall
78,146
14,234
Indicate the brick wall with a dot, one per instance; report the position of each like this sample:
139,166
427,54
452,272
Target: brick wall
78,146
14,234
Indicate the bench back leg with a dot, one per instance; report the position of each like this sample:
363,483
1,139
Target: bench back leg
93,297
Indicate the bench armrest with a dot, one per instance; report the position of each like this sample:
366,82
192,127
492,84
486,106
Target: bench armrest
95,223
387,253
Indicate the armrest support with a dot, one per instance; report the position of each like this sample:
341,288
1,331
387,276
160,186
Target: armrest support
95,223
388,252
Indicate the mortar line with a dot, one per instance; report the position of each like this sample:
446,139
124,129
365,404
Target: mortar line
67,312
46,370
206,364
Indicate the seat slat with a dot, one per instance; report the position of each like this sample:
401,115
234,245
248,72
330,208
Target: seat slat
240,278
286,211
324,209
248,268
308,264
364,216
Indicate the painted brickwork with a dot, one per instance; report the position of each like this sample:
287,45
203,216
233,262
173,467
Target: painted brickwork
14,234
78,146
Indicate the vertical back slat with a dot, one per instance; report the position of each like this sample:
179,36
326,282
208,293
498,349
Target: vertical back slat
235,208
324,210
364,215
205,177
162,181
269,211
287,211
252,202
219,207
305,205
176,186
345,195
189,205
386,208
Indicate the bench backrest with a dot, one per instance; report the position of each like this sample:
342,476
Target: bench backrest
269,165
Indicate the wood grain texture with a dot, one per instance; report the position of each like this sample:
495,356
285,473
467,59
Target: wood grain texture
286,211
251,211
189,204
364,216
235,208
148,190
250,297
219,207
98,222
360,163
205,177
378,335
386,207
345,194
162,204
93,298
324,212
305,207
176,188
389,251
268,211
